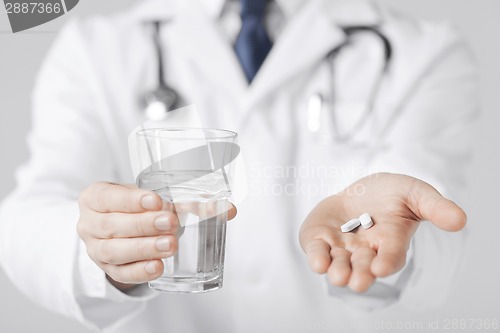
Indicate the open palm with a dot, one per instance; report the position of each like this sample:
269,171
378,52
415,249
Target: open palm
397,204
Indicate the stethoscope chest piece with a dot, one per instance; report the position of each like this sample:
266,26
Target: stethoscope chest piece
159,102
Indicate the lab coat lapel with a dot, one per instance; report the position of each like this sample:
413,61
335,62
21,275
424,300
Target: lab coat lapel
154,10
311,34
205,47
198,39
308,37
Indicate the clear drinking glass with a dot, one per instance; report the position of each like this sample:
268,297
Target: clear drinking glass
190,170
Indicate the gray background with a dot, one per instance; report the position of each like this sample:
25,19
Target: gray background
477,295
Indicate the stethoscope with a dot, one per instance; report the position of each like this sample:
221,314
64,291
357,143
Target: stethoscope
163,99
320,104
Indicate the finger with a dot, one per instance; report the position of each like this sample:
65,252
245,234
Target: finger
340,269
361,277
136,272
231,214
428,204
108,197
121,225
390,258
119,251
318,255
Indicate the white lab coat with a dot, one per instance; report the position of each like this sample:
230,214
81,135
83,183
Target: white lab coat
86,102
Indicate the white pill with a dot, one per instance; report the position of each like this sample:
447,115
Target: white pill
350,226
366,221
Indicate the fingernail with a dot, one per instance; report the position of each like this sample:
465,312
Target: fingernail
148,202
150,267
163,223
163,244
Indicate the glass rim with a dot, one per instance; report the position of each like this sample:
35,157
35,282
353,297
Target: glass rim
148,133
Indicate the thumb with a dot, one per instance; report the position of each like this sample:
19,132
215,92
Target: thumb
428,204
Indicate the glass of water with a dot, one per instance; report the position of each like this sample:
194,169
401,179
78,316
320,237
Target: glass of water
190,170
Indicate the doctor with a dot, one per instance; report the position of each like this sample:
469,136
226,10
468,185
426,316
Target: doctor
330,126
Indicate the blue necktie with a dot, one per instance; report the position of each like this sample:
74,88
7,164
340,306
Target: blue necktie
252,44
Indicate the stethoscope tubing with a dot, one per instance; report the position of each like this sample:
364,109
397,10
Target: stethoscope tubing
330,100
169,96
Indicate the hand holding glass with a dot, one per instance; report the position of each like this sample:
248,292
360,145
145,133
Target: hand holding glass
190,170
